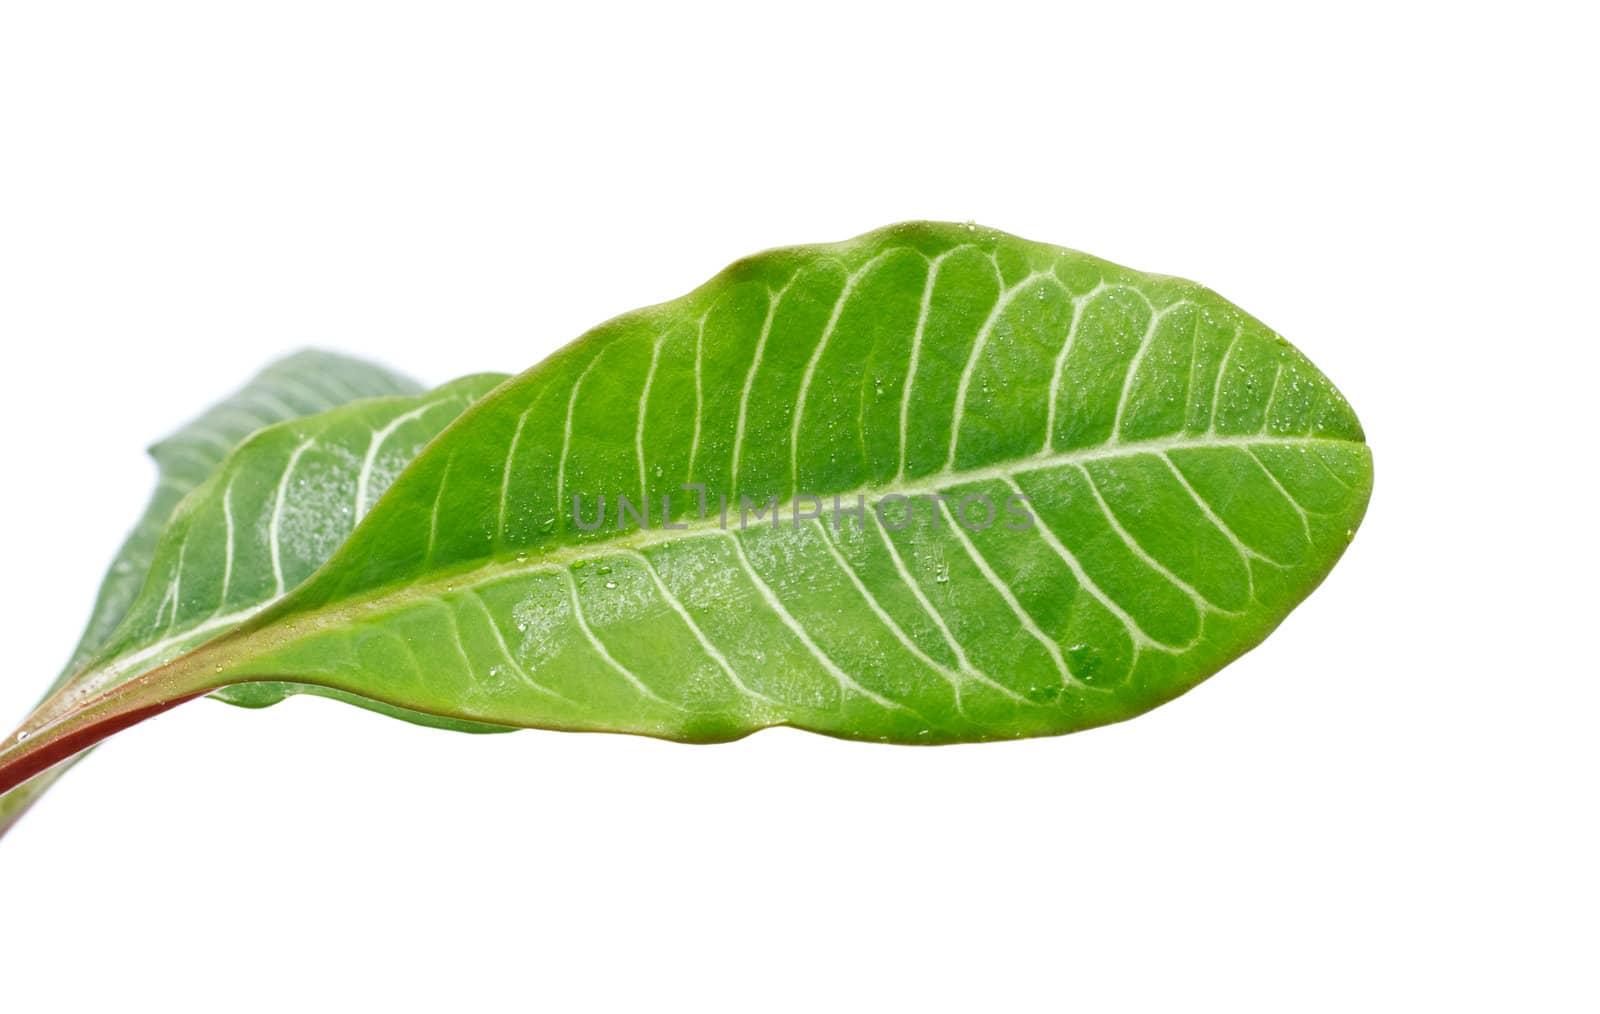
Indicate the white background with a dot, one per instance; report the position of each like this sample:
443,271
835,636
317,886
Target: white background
1391,803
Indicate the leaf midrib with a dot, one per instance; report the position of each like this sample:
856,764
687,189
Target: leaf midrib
503,566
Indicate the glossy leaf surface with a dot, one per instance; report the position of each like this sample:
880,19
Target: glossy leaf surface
1186,475
1192,476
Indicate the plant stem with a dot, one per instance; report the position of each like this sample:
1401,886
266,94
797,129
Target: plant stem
40,745
21,799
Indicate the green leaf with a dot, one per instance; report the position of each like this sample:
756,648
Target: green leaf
298,385
217,482
268,517
1189,476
